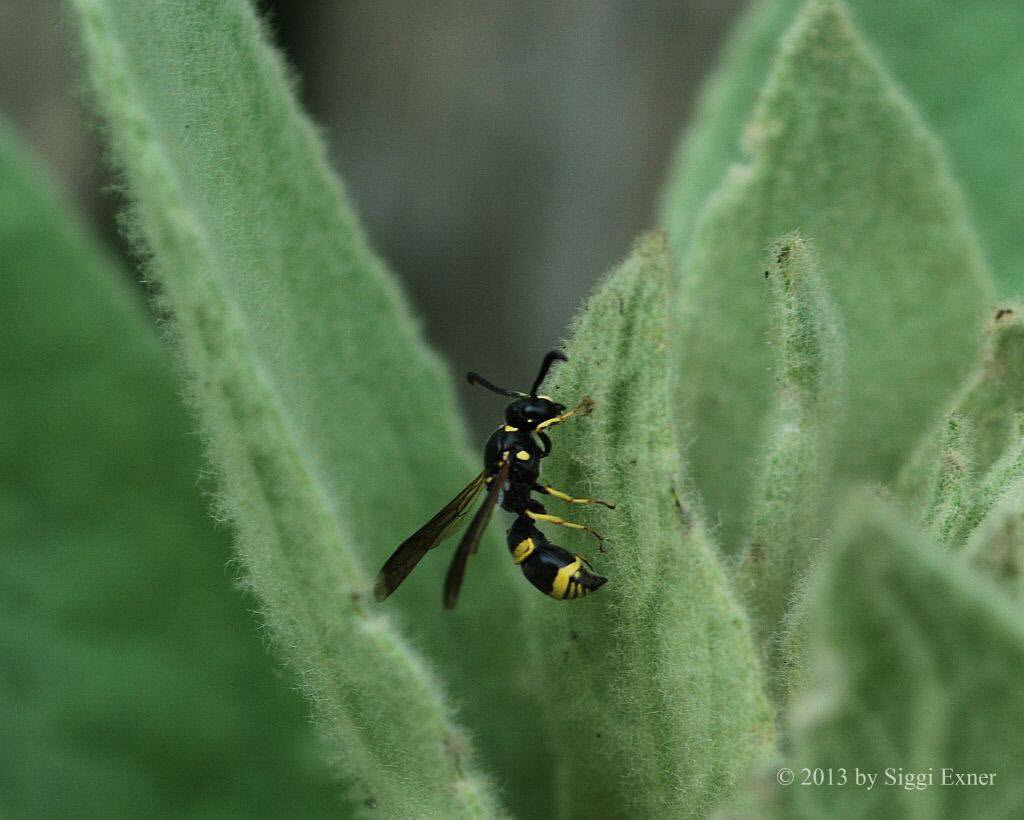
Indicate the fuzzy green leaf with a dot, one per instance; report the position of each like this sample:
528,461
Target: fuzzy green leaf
311,382
791,502
653,681
996,547
991,488
954,482
914,663
132,680
959,66
967,469
711,140
836,153
996,393
988,403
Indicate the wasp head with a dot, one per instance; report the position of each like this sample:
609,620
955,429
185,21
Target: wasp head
526,413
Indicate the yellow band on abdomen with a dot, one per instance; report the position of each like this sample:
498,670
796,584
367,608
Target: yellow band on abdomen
562,577
523,550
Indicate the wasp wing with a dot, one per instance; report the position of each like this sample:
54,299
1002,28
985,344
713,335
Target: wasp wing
404,559
471,538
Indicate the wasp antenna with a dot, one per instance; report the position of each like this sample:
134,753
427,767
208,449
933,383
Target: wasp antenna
552,357
476,378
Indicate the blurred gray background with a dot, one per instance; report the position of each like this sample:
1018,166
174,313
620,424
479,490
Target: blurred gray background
502,155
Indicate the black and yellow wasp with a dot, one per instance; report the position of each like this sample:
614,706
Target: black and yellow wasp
511,472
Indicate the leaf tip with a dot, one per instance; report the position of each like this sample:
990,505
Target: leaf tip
820,19
1006,334
652,246
791,255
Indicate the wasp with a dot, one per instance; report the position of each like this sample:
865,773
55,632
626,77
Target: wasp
511,476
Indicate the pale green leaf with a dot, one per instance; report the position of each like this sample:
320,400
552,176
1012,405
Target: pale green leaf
331,427
914,666
989,401
954,481
990,489
995,396
791,504
711,139
960,64
836,152
996,546
653,695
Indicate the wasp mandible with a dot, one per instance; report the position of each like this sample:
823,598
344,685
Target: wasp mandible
511,475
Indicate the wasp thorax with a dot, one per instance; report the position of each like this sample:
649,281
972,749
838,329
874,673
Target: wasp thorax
526,413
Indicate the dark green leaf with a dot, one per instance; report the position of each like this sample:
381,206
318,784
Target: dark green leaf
132,678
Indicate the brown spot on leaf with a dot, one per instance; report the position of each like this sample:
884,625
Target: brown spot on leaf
684,514
573,637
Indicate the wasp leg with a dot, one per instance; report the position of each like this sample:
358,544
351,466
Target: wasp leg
543,488
585,406
554,519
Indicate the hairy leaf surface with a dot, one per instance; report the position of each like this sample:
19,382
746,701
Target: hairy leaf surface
653,680
332,428
959,64
913,668
791,505
837,153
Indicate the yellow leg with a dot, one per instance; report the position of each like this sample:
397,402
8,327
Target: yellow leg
570,500
585,406
561,522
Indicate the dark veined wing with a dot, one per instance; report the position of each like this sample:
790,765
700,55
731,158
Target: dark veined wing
404,559
471,538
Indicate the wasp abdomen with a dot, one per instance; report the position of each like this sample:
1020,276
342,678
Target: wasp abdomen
552,569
